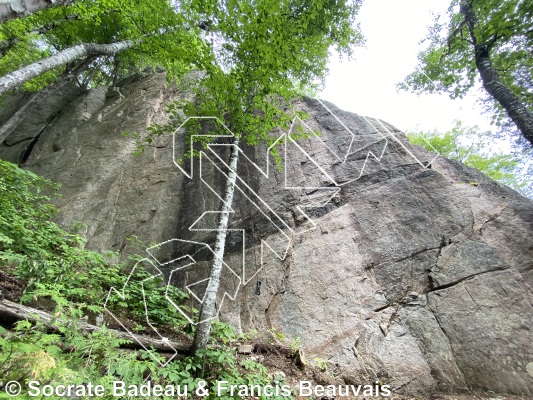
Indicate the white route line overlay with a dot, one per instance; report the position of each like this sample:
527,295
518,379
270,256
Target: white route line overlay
258,202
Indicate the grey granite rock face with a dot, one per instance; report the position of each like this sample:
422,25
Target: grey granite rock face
417,277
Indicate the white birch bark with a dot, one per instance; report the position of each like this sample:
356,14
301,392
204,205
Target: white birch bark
20,8
10,311
208,310
16,78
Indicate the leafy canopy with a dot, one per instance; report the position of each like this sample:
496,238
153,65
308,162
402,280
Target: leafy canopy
165,39
264,52
255,56
448,64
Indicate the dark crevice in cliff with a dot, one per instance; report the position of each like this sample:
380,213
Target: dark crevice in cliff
403,258
407,301
458,281
444,243
5,143
379,309
267,310
28,150
454,358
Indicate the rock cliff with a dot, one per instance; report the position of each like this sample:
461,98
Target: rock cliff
388,263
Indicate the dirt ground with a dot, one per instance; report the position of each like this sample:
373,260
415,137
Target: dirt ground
11,288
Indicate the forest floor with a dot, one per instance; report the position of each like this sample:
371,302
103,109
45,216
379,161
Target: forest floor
11,288
279,359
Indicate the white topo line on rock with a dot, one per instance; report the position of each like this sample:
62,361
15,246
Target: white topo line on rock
285,232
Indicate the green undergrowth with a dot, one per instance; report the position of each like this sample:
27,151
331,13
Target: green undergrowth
73,283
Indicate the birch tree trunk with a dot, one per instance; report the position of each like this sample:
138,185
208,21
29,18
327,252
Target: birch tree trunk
519,114
20,8
16,78
208,309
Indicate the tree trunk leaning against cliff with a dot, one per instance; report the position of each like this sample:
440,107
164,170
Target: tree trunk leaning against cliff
208,309
24,74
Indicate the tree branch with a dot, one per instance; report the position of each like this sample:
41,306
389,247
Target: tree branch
24,74
10,9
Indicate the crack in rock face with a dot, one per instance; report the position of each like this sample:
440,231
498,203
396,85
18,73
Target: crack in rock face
406,274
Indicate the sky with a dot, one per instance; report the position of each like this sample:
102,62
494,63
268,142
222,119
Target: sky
367,86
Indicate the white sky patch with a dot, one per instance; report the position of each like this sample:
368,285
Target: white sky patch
367,86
